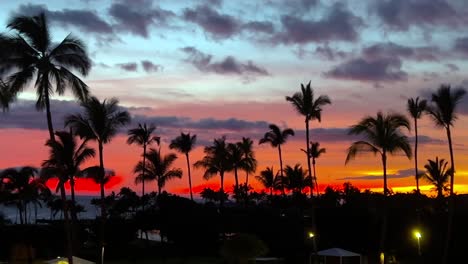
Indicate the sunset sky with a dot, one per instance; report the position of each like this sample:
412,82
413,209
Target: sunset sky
216,68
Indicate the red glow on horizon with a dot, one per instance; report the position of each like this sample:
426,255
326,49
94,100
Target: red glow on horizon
85,184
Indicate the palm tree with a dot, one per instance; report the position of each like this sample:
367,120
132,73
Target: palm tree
99,122
267,179
142,136
6,97
443,112
296,178
311,108
215,161
438,174
315,153
65,160
246,145
184,144
276,138
384,137
237,160
157,168
415,108
30,52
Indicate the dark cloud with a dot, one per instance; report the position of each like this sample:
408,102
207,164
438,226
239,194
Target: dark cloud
149,66
218,26
292,6
461,46
361,69
130,66
259,27
85,20
452,67
329,53
398,175
390,49
137,18
338,25
229,65
402,14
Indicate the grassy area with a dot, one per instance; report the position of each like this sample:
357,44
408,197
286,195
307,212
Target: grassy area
189,260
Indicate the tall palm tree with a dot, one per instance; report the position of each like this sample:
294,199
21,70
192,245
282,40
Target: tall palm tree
267,179
276,138
443,111
246,145
416,108
296,178
158,168
384,137
185,144
215,161
237,159
66,158
438,174
30,54
99,122
310,107
315,152
142,136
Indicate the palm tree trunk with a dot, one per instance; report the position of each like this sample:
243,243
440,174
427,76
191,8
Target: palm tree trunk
451,204
20,209
103,206
309,169
416,154
236,178
221,174
315,176
49,115
67,225
246,178
383,233
143,173
189,175
25,212
281,169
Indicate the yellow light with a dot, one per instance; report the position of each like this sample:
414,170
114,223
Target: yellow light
311,235
62,262
417,234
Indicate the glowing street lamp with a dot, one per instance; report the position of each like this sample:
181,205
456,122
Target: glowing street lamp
311,235
418,236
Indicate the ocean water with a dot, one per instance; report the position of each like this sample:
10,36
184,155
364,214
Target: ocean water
43,212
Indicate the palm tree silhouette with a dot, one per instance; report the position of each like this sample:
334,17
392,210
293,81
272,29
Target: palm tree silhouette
65,159
142,136
311,108
216,161
296,178
384,137
237,159
438,174
31,53
246,145
184,144
276,138
6,97
267,179
443,112
416,108
99,122
315,153
157,168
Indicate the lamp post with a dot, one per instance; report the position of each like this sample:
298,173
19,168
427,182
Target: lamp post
311,236
418,236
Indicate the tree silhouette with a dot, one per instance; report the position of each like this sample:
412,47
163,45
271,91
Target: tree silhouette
30,52
267,179
246,145
305,104
215,161
276,138
438,174
315,153
157,168
185,144
237,159
296,178
6,97
142,136
416,108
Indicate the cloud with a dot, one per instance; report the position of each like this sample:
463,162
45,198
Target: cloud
338,25
150,67
406,173
259,27
130,66
218,26
85,20
361,69
402,14
461,46
137,18
329,53
229,65
452,67
390,49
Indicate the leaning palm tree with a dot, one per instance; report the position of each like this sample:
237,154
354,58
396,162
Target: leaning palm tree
158,168
142,136
443,112
416,108
438,174
276,138
29,53
185,144
246,145
315,153
310,107
99,122
216,162
267,179
384,137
